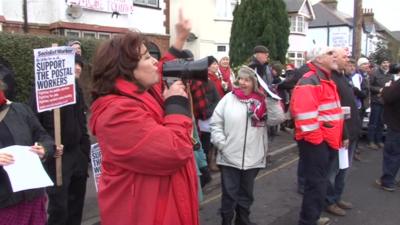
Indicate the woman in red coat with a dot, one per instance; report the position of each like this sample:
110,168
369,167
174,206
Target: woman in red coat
148,171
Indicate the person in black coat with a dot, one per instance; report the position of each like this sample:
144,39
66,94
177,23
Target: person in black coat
8,76
351,132
19,126
378,80
66,202
391,152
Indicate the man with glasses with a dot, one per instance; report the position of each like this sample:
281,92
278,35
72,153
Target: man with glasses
315,106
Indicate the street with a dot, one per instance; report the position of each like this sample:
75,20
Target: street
277,201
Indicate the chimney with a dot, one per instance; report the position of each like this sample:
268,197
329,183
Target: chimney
368,15
332,4
368,20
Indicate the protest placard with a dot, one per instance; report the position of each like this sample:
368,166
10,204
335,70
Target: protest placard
54,77
95,154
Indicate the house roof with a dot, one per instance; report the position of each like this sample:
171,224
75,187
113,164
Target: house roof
325,15
293,5
396,34
297,6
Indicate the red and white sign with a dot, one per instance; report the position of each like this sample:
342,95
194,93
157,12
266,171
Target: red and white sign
54,77
95,154
121,6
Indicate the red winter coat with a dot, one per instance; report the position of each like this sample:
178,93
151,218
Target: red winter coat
148,171
315,106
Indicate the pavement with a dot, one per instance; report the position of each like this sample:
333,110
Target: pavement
277,147
278,203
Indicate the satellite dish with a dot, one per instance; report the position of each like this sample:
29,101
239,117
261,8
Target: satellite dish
75,11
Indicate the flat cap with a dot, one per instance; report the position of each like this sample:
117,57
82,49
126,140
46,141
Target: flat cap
260,49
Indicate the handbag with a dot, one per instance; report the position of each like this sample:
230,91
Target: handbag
275,113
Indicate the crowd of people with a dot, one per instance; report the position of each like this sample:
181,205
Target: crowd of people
160,143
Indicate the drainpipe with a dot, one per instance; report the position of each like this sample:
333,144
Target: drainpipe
328,33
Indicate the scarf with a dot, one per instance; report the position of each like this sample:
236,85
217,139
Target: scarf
226,76
217,82
3,99
257,109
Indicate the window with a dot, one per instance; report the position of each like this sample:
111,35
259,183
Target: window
221,48
154,50
297,24
72,33
82,34
225,8
104,36
297,58
152,3
89,34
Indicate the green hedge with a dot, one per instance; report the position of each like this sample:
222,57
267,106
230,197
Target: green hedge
18,50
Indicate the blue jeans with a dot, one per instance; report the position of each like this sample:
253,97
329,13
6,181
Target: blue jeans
375,125
337,177
391,158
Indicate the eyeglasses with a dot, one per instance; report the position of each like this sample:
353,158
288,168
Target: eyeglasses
330,53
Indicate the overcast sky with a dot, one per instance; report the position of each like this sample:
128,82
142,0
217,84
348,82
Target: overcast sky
385,11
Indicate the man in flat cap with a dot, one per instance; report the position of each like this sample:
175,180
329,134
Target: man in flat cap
260,63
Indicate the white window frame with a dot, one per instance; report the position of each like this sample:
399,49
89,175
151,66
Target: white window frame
224,9
66,31
84,33
297,24
298,58
103,34
146,3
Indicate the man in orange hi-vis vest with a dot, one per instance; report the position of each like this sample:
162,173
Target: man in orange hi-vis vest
315,107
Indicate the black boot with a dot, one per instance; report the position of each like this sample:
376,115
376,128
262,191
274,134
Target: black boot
227,218
205,177
243,216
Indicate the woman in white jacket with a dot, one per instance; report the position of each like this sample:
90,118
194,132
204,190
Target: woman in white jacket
238,130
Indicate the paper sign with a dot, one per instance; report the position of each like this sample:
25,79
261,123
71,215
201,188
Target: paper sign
96,162
54,77
266,88
343,158
27,171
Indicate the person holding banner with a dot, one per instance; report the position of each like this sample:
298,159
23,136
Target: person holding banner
66,202
19,126
145,135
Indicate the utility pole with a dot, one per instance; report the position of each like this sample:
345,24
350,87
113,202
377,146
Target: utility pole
25,15
357,29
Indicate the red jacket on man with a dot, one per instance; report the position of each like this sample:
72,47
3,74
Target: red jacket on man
315,107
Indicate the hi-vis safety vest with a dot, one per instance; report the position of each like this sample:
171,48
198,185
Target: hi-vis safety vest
315,107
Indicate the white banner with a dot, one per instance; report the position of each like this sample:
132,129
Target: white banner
121,6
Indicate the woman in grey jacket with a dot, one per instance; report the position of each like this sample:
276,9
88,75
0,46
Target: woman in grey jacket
238,130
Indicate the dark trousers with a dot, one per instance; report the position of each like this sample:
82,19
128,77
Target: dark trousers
301,180
317,160
391,158
237,193
66,202
375,125
337,177
205,139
